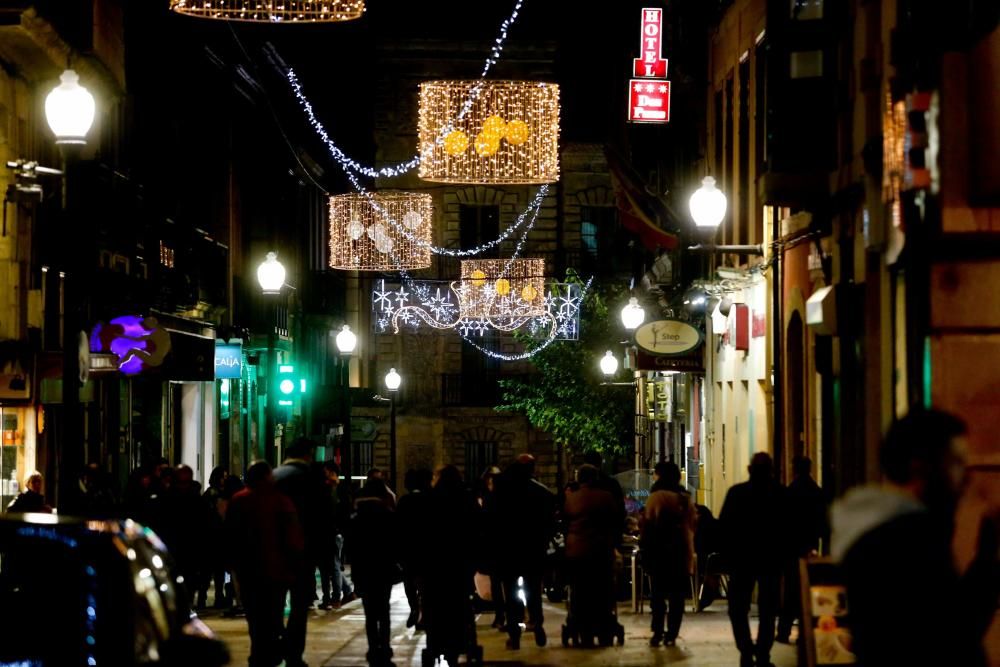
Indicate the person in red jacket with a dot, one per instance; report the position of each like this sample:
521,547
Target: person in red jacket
267,551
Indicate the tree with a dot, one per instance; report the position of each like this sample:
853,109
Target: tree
565,397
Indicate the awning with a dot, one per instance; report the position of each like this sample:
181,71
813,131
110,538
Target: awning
637,210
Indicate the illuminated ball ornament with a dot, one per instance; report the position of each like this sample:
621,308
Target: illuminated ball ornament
517,132
478,278
524,113
529,293
456,142
502,287
380,231
487,145
283,11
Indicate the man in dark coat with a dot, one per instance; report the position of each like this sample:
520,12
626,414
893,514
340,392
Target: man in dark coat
666,546
266,550
906,601
807,507
525,516
413,519
754,523
31,499
303,485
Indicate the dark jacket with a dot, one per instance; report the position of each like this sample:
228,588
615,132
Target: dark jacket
525,521
754,526
807,506
451,537
907,603
593,530
29,501
265,540
304,486
667,528
374,537
414,518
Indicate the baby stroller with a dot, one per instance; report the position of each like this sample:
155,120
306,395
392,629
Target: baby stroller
593,612
450,622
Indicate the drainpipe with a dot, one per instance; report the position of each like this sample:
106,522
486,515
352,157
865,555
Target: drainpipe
778,325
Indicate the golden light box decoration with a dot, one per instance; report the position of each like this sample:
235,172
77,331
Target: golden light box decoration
364,238
510,134
493,288
272,11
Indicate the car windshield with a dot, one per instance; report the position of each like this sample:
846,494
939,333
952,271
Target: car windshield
47,597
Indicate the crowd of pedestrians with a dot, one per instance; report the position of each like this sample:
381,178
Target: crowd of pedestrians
261,542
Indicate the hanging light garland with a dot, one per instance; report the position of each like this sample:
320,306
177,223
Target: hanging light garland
406,166
496,287
272,11
365,234
509,134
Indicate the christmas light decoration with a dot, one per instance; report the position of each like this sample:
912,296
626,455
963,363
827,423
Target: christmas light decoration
406,166
515,125
281,11
382,231
496,288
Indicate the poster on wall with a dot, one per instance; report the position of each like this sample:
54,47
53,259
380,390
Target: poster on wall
825,625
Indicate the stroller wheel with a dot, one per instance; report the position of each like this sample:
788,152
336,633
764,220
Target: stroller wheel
565,636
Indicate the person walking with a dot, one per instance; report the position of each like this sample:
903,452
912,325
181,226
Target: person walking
215,564
807,525
411,509
265,550
299,481
375,565
593,530
333,582
754,526
492,546
525,522
666,546
908,604
31,499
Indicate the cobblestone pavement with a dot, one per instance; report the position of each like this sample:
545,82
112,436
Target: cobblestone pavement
337,639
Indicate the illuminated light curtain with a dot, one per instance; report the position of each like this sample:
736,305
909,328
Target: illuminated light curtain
502,288
272,11
507,133
363,238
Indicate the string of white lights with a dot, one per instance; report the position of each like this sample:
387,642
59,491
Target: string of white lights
392,171
527,354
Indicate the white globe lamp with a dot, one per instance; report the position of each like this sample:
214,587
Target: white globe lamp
633,314
271,274
609,364
393,380
708,205
346,340
69,110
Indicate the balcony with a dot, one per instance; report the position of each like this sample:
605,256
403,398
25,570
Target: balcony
480,390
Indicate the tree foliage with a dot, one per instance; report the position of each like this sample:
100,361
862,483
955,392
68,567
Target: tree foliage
565,397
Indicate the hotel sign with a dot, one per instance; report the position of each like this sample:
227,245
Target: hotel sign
649,90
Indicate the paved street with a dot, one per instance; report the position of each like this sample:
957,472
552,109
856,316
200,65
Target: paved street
337,638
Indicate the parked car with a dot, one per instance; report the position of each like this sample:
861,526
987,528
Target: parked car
78,592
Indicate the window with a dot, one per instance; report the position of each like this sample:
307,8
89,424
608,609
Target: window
807,10
362,458
478,457
166,255
479,225
744,155
605,247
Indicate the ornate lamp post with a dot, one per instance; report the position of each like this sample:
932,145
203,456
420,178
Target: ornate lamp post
346,343
609,364
633,314
271,278
392,382
69,111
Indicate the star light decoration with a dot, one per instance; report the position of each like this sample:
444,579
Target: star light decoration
489,132
272,11
441,305
383,231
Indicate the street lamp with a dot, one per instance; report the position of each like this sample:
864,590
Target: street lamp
633,314
346,343
708,205
271,277
609,364
392,382
69,111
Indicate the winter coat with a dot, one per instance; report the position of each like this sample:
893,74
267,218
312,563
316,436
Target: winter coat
525,522
754,527
305,486
593,530
29,501
667,527
374,538
907,603
807,506
265,541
